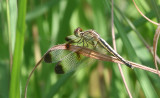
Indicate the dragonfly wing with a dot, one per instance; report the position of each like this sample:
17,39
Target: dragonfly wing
67,61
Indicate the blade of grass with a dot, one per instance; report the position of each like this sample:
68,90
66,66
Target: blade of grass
55,88
16,70
11,19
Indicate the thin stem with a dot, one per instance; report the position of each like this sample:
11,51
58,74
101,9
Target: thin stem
114,46
144,15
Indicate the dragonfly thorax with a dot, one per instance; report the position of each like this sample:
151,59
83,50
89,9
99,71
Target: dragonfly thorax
86,35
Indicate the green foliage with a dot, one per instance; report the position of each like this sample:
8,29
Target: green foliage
28,32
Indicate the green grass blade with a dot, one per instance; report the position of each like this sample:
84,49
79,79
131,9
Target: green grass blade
16,68
12,21
55,88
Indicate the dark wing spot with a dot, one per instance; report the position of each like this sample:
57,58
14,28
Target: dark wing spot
68,46
58,68
48,58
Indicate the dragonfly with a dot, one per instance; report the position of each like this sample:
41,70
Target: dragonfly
92,37
67,61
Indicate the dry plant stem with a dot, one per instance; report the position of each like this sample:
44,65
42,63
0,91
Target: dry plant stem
96,55
114,46
155,42
156,37
157,58
25,94
144,15
148,46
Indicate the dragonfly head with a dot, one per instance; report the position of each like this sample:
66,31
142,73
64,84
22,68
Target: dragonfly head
77,32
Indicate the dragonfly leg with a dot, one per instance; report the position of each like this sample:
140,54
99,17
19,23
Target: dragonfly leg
95,45
86,43
83,42
90,41
80,41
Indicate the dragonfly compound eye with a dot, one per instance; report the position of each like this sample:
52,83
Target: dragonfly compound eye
77,32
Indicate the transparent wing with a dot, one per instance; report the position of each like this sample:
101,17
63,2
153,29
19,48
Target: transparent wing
67,61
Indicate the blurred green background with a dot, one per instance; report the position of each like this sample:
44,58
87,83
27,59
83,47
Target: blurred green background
36,25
